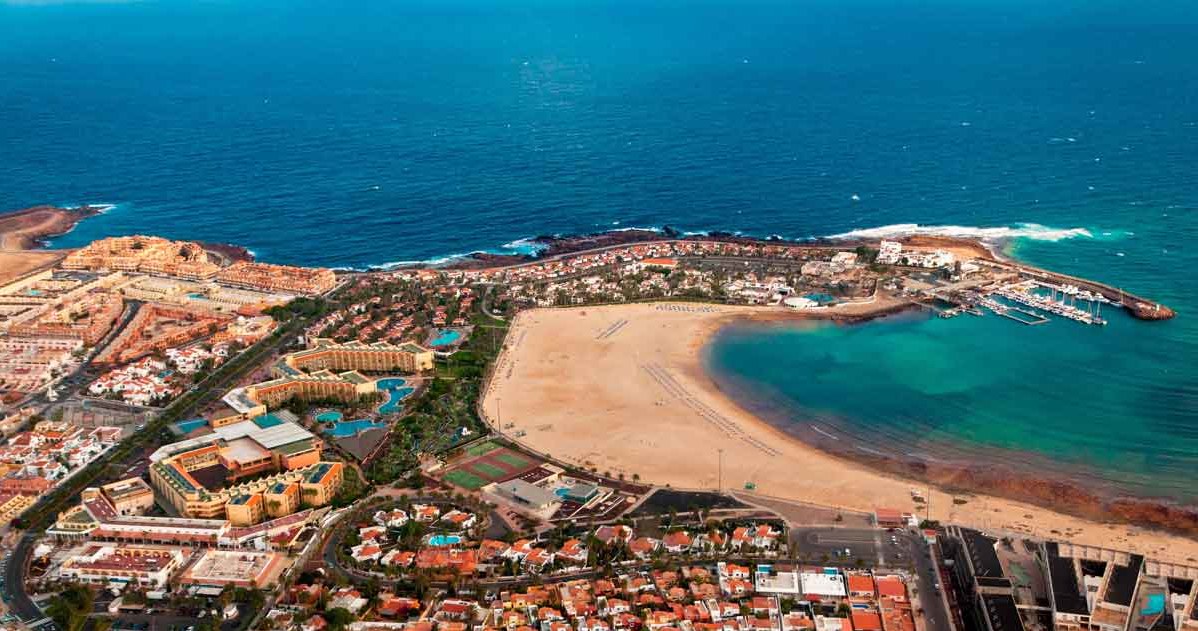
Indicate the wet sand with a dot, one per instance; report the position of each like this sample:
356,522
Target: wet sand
623,389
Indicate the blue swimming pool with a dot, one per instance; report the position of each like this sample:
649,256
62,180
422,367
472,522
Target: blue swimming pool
444,540
191,425
822,299
445,337
345,429
396,390
267,420
332,416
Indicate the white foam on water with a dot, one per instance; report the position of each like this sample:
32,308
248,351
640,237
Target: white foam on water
1033,231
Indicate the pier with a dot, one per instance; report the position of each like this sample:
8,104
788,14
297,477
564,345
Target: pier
1022,316
1023,293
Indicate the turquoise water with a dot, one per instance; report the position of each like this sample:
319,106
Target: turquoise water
397,391
444,540
822,299
267,420
445,337
343,429
328,417
1111,405
191,425
393,130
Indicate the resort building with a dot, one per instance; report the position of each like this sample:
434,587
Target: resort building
12,505
218,568
378,357
149,255
272,278
129,497
228,472
329,370
107,563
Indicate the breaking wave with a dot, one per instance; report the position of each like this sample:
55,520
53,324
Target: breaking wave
1032,231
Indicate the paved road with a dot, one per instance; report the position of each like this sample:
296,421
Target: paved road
936,616
14,573
14,581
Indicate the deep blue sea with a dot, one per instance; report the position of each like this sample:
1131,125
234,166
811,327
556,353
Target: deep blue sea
365,134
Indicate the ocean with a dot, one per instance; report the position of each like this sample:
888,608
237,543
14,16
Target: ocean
387,132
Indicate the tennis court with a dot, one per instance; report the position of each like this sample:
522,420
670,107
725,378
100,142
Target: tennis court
485,447
513,459
465,479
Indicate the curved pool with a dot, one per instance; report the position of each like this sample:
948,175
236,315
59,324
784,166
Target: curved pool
397,390
444,540
445,337
345,429
331,416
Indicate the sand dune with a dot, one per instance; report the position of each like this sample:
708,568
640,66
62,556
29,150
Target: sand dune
622,389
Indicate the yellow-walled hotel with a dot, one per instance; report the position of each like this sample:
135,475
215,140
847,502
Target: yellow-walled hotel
245,471
309,374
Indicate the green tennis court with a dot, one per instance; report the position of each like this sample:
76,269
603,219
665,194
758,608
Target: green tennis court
488,470
513,459
465,479
484,447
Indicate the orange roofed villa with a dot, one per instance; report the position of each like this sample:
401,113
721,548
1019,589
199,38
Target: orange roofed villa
189,260
245,472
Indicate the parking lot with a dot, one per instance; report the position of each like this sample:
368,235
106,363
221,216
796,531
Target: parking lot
843,546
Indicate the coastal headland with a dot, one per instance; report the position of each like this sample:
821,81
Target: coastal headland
22,231
638,402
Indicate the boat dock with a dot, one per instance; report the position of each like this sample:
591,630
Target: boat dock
1023,293
1022,316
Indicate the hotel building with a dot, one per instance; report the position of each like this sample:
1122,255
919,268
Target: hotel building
129,497
149,255
328,370
225,474
267,277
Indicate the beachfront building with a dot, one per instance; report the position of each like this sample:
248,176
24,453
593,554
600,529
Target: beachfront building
149,255
230,472
276,278
979,575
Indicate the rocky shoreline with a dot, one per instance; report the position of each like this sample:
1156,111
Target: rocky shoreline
31,228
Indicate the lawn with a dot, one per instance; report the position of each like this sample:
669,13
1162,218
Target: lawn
465,479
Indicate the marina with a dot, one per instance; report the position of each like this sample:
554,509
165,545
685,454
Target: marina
1028,302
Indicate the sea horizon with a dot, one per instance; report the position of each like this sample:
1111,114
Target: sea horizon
419,132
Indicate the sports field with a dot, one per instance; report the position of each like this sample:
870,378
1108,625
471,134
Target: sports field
488,462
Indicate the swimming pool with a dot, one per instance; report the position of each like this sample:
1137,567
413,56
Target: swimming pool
444,540
191,425
397,391
345,429
445,337
267,420
822,299
332,416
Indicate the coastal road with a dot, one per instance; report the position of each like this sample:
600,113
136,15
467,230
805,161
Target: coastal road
935,613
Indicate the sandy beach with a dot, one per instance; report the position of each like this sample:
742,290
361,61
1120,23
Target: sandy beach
622,389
